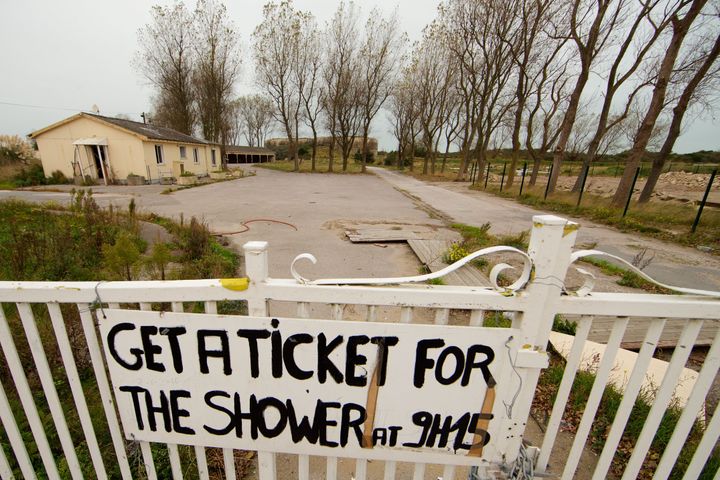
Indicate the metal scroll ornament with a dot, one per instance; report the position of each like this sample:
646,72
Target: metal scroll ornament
494,272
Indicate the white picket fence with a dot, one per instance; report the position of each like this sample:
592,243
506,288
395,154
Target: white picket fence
532,302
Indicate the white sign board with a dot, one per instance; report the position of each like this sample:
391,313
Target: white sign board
322,387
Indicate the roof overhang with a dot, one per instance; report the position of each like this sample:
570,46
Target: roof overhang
91,141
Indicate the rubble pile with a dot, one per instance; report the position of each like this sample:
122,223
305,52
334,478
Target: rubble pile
693,181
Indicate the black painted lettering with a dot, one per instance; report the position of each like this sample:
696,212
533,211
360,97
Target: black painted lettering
424,420
172,334
471,363
135,393
422,362
325,365
354,359
277,359
394,435
347,422
223,352
261,420
121,327
379,436
151,349
178,413
289,355
163,409
252,337
384,344
459,363
209,397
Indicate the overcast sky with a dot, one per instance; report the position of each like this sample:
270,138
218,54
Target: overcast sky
64,56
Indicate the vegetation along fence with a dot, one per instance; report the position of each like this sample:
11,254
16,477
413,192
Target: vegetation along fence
146,380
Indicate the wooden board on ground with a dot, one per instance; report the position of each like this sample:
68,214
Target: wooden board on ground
431,252
375,235
635,332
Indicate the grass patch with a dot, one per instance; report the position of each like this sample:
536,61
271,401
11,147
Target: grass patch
666,221
627,278
86,242
546,393
321,164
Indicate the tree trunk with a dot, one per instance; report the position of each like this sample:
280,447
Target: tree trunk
314,149
642,137
331,153
537,161
567,126
445,156
676,124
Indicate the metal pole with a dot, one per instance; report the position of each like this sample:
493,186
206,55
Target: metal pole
502,180
704,199
582,185
487,175
547,187
632,187
522,181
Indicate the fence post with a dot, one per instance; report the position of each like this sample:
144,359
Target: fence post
632,188
551,242
487,175
502,180
522,181
472,172
704,199
547,187
582,185
256,269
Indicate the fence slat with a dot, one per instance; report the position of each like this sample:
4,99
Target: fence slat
303,467
360,469
13,433
202,463
419,473
476,318
331,468
78,394
175,464
449,472
148,461
229,463
704,448
406,315
561,399
390,468
26,398
632,389
5,470
442,316
336,311
371,313
690,411
662,397
593,401
96,357
48,385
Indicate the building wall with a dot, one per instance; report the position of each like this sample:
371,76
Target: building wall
172,161
125,151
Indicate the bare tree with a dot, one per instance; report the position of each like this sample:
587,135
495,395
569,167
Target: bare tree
254,114
433,79
451,124
527,47
165,58
703,81
649,20
277,53
404,114
378,58
216,69
680,28
340,76
591,26
309,67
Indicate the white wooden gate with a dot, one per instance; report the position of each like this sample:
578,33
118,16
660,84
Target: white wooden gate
49,449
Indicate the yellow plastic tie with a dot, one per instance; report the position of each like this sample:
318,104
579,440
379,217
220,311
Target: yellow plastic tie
235,284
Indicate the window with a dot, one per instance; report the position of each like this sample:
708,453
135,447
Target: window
212,156
195,156
182,152
159,155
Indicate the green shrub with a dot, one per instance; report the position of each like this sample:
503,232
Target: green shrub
34,175
455,253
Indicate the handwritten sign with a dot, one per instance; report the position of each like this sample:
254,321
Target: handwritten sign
324,387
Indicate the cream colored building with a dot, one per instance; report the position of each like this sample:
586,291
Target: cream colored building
108,150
